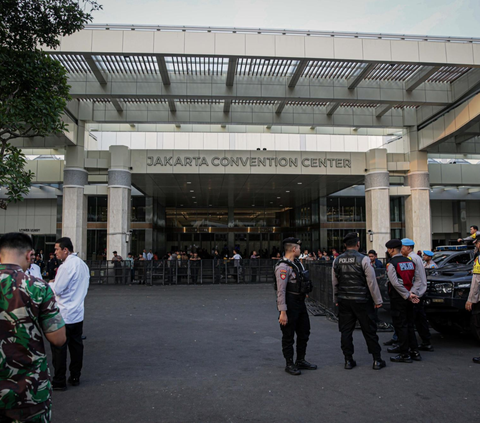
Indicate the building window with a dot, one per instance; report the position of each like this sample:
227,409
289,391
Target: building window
138,209
97,209
96,244
396,209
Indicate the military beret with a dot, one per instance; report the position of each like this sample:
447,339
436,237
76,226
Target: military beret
292,240
407,242
428,253
394,243
351,236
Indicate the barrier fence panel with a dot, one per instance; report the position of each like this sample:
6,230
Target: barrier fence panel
216,271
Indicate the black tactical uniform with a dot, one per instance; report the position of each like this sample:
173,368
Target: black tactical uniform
354,285
288,275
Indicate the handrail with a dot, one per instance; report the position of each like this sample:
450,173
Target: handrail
339,34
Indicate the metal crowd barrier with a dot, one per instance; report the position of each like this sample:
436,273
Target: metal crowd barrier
181,272
245,271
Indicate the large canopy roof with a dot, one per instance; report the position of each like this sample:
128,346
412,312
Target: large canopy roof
236,76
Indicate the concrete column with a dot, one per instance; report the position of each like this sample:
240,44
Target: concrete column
417,204
119,201
377,201
74,210
417,210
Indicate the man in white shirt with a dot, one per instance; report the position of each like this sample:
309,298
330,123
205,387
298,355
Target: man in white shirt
34,269
70,287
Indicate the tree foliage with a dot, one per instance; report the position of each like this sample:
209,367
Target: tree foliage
33,86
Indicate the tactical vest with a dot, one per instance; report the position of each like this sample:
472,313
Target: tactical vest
303,284
352,282
476,266
405,269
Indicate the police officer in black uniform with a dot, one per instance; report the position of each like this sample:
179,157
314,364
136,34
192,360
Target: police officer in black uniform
292,284
356,291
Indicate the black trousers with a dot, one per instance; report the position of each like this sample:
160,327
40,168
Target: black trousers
298,323
403,319
475,319
421,322
74,344
349,311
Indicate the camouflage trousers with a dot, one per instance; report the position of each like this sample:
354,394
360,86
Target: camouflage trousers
43,417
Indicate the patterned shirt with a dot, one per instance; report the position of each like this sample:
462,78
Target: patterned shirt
27,310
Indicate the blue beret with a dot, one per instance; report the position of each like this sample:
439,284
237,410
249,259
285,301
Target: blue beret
407,242
428,253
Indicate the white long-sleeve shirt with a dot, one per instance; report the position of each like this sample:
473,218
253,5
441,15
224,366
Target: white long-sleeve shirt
70,288
34,270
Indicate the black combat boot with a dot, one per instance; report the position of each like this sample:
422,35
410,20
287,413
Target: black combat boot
415,355
292,368
350,363
401,358
305,365
378,363
426,346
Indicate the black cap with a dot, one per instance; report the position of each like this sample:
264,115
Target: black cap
372,252
350,237
292,240
394,243
114,252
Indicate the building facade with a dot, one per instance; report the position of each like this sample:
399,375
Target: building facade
190,137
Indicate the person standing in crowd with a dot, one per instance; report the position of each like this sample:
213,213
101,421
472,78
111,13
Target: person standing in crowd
217,266
401,274
194,266
293,317
70,287
52,266
473,302
237,264
374,261
473,236
419,289
130,264
34,269
356,292
27,312
254,265
149,255
117,266
428,263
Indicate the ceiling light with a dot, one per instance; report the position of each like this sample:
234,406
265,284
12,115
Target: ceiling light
253,205
192,190
194,202
287,191
299,183
281,205
193,197
278,198
188,182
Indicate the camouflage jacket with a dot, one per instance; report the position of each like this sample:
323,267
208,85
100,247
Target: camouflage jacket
27,308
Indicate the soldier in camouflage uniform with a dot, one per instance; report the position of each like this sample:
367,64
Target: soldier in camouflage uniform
27,312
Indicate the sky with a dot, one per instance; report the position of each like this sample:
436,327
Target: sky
414,17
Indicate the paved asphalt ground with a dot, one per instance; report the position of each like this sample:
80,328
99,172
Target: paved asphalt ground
212,354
